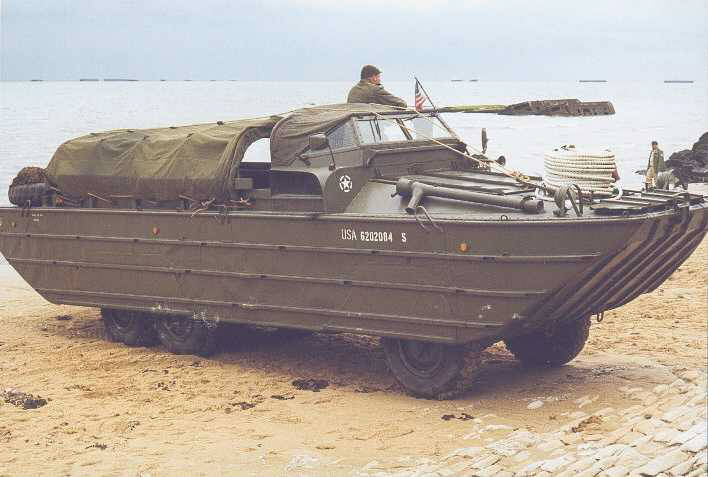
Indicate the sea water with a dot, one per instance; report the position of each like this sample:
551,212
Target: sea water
36,117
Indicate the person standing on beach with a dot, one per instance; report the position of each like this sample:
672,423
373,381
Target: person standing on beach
654,166
369,90
485,140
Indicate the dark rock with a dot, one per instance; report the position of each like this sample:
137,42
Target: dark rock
310,384
691,165
462,417
680,157
245,405
700,150
283,397
23,400
586,423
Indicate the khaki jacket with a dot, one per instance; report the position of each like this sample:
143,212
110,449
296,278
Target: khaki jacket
655,166
656,160
367,92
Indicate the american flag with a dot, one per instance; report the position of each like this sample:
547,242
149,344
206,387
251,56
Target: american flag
419,98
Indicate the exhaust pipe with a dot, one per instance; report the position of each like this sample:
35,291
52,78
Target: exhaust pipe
419,190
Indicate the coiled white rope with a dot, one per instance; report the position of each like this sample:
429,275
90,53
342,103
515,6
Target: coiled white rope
591,172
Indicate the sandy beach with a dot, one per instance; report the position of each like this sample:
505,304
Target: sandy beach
449,172
115,410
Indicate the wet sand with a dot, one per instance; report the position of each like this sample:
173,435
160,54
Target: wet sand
115,410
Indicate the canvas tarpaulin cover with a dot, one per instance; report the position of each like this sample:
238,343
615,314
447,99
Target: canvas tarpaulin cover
154,164
291,137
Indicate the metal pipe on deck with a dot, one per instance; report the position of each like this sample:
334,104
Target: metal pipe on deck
419,190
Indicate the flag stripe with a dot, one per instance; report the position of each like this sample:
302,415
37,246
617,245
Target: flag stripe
419,98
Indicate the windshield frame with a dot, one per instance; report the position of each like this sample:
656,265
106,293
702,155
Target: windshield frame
400,118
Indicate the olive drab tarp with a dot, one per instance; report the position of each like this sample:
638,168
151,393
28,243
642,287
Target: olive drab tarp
154,164
194,161
291,136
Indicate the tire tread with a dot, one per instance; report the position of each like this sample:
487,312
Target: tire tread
553,345
143,333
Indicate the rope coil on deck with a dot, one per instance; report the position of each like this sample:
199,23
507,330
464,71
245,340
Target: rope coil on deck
594,172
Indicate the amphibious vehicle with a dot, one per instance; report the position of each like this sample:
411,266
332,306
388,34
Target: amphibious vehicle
361,219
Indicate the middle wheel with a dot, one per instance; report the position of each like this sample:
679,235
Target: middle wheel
424,369
130,327
186,335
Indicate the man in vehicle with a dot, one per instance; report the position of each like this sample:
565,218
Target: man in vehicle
655,165
369,89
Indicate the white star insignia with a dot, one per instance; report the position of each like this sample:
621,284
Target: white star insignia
345,183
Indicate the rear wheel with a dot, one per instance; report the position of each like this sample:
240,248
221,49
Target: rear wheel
186,335
424,369
553,345
130,327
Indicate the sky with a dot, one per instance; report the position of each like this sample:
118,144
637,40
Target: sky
316,40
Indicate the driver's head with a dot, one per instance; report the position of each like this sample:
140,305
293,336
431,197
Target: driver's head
371,74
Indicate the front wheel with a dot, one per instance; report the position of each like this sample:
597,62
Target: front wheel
130,327
424,369
552,345
187,335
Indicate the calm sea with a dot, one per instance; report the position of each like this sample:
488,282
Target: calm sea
35,117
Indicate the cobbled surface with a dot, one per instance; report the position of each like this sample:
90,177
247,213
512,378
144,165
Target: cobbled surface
665,436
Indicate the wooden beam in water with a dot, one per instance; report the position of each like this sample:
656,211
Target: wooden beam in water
470,108
550,107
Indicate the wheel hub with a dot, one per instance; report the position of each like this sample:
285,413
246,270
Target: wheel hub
124,321
178,327
422,359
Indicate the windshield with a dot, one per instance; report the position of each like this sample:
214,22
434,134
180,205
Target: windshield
400,128
372,131
426,127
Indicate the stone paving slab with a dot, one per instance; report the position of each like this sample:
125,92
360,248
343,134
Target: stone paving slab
668,437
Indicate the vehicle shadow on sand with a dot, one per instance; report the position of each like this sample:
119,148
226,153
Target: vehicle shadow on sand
357,362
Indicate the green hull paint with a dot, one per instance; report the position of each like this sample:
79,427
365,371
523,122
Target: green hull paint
338,272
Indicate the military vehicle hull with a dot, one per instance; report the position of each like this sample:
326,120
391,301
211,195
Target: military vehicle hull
453,280
366,219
